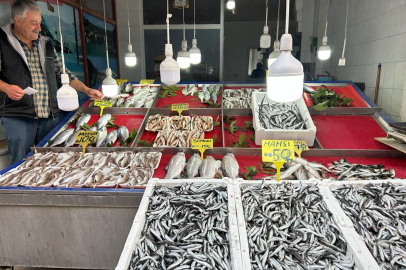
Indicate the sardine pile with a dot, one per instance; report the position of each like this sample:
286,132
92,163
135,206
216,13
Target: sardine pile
209,168
289,227
67,137
208,92
348,171
134,96
280,116
126,169
158,122
378,213
171,138
239,98
186,228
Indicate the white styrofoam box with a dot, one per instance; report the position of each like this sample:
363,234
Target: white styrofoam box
308,134
362,257
139,220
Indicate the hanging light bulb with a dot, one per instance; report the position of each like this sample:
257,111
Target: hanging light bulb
183,55
285,75
230,4
130,57
169,68
276,52
195,54
341,61
324,51
265,40
66,96
109,85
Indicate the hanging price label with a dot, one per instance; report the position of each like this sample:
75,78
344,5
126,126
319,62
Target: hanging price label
278,152
300,146
202,145
180,107
120,81
103,104
146,82
84,138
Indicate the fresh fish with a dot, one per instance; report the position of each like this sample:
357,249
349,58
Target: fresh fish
94,128
111,138
113,101
62,137
128,88
209,168
103,121
347,171
123,134
200,95
154,89
120,102
71,140
129,102
139,103
214,96
230,166
137,89
211,89
84,119
206,96
101,136
121,88
148,103
193,165
184,90
176,166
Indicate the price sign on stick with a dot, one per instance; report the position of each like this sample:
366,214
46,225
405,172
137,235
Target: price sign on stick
103,104
300,146
84,138
180,107
278,152
120,81
146,82
202,145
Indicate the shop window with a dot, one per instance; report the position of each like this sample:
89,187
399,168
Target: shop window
97,5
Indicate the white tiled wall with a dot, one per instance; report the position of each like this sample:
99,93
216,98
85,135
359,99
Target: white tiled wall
376,34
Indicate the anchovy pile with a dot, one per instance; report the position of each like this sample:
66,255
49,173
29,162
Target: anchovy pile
280,116
185,228
158,122
239,98
289,227
347,171
207,93
209,168
378,213
125,169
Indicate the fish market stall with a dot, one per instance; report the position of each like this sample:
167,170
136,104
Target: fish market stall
79,210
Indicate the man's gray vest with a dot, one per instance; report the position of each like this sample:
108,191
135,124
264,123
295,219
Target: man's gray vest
15,70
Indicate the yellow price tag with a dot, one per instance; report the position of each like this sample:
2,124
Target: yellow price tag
278,152
146,82
300,146
180,107
120,81
84,138
103,104
202,145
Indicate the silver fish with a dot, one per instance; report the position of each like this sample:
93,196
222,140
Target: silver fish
101,136
71,140
148,103
230,166
214,96
113,101
84,119
123,134
193,165
111,138
139,103
94,128
120,102
206,96
200,95
103,121
62,137
121,88
129,88
176,166
209,168
129,102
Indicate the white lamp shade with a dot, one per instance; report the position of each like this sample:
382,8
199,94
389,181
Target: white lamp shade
109,85
230,4
324,52
170,71
195,54
130,59
66,96
285,79
183,59
273,56
265,40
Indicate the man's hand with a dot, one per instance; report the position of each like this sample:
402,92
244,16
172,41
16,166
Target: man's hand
14,92
94,94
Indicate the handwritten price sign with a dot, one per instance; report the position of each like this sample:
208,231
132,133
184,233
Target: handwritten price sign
300,146
146,82
278,152
202,145
84,138
120,81
180,107
103,104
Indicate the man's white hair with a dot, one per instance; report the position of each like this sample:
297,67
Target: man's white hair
21,7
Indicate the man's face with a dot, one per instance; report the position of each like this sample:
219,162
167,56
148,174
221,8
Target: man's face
30,26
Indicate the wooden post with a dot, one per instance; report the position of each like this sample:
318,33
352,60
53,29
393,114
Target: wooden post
378,77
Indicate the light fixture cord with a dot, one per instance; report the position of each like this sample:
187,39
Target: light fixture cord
287,17
167,19
194,18
266,15
328,4
129,29
184,30
345,30
105,33
277,22
60,33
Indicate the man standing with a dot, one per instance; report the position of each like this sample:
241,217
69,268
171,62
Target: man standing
28,59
